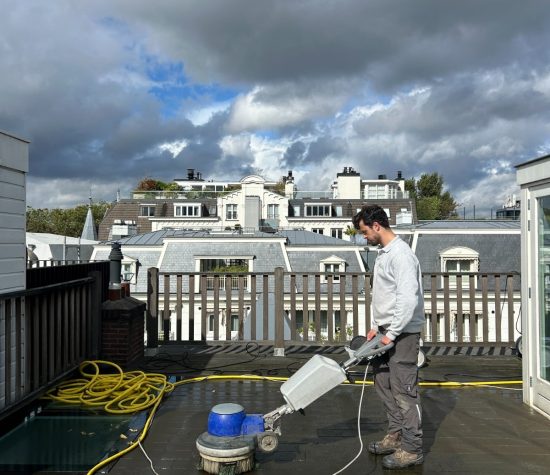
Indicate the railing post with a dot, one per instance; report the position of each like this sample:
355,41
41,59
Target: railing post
510,296
95,316
152,307
279,345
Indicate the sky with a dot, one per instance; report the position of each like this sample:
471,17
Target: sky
112,91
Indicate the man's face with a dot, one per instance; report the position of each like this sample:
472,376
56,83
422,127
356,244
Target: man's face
370,233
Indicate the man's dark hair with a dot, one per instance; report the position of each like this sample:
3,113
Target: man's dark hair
370,214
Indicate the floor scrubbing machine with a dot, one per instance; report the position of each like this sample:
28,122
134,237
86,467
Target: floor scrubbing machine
232,436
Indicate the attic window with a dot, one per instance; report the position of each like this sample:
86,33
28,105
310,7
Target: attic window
458,260
147,210
318,209
332,265
187,210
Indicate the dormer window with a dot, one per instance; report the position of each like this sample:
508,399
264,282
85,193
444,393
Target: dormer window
332,265
147,210
129,269
323,209
191,210
458,260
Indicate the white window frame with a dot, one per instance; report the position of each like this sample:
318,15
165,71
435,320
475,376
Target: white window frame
128,266
231,212
325,207
320,231
180,207
272,211
330,265
338,231
210,279
465,257
149,207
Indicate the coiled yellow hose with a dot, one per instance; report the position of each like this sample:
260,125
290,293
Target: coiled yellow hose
115,392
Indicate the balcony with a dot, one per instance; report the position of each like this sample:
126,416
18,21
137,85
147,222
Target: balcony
474,309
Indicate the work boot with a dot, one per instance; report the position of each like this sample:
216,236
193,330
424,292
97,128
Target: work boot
402,459
388,445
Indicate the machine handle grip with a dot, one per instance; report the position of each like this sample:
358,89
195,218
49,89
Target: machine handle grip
369,350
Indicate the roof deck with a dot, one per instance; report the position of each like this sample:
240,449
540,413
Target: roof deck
467,430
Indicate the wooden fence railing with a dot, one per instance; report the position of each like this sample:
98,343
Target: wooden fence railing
44,334
473,308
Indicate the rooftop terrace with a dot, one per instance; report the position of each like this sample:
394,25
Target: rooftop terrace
467,430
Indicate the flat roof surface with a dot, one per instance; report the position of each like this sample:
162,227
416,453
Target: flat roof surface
467,430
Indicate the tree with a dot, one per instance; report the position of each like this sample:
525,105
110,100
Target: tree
150,184
431,201
66,222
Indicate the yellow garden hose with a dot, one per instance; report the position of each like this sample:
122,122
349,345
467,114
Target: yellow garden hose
118,392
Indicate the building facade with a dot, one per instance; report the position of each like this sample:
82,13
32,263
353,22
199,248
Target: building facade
256,204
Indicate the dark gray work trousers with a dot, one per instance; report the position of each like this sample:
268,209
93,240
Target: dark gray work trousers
396,383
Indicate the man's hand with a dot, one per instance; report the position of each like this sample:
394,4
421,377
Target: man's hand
371,334
385,340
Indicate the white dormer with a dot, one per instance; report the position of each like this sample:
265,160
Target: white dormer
457,260
332,265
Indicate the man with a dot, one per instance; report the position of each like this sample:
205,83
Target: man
398,312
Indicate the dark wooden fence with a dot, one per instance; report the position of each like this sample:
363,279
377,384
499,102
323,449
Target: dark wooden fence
54,272
473,308
46,332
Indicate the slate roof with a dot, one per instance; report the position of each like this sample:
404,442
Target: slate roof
308,238
497,253
156,238
470,224
146,258
129,209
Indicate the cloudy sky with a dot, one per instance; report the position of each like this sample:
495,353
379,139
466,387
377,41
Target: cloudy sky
111,91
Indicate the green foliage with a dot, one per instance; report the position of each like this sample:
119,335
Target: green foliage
431,201
66,222
150,184
350,231
429,185
233,269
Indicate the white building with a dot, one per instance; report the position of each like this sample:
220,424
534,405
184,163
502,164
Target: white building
349,185
14,165
54,247
534,179
254,203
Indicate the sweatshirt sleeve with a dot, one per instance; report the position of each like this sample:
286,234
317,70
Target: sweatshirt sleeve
405,268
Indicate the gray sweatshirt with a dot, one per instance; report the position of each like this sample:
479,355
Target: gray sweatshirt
397,297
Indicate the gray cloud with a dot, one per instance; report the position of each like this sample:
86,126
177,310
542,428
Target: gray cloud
461,88
390,42
294,155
